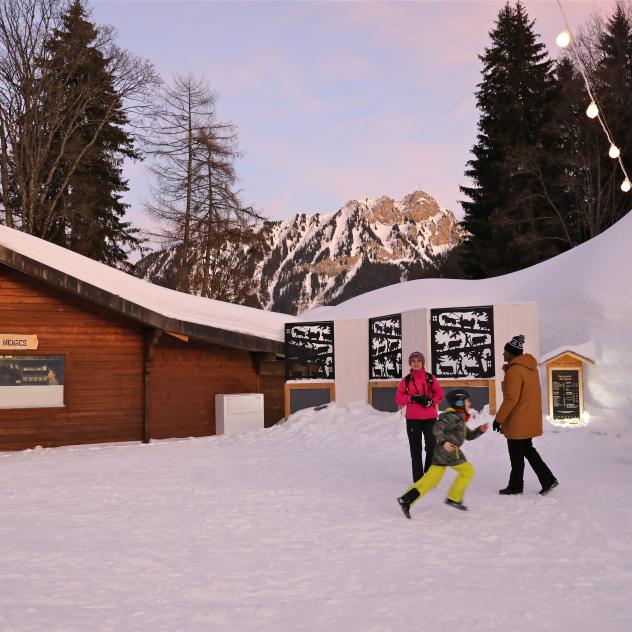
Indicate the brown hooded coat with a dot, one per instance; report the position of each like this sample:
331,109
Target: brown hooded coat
520,414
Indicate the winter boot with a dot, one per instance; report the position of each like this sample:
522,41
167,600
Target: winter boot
509,491
404,506
547,488
456,504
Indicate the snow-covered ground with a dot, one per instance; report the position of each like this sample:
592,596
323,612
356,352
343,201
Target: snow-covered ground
296,528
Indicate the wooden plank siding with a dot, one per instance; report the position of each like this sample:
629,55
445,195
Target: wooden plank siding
103,390
185,377
104,378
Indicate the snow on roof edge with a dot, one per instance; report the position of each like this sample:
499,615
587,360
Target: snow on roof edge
168,303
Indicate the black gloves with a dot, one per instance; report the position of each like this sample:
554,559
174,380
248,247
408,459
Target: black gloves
496,426
422,400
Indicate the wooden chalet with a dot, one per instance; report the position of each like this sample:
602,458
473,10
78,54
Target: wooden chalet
89,354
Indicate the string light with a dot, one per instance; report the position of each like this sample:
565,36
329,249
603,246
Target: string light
563,39
593,111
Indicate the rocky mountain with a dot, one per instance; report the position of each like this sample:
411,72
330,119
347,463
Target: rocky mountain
323,259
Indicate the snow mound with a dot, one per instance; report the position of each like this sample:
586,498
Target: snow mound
584,298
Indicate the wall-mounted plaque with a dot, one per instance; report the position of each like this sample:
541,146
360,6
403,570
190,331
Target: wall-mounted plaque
309,351
18,342
566,394
462,341
385,347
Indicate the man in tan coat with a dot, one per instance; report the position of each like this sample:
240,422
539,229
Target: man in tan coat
520,417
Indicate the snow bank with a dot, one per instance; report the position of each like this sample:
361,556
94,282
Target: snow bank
194,309
584,298
296,528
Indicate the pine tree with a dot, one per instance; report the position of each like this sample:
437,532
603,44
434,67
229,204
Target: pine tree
507,221
613,79
89,181
583,183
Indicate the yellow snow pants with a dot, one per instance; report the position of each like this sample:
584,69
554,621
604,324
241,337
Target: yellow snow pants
434,475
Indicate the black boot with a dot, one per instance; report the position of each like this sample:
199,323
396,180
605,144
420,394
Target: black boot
405,507
509,491
547,488
456,504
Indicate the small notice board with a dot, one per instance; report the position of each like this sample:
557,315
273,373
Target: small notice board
565,376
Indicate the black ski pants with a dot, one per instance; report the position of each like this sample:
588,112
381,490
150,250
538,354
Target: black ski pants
519,450
420,431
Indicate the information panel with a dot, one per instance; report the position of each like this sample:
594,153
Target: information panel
566,394
309,351
385,348
463,342
31,381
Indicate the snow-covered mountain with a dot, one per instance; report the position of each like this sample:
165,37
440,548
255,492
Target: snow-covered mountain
323,259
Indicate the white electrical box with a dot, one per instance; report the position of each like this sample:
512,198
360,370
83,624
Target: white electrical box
238,413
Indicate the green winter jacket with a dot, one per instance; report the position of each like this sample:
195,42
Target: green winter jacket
451,427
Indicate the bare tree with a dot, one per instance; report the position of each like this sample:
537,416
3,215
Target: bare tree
223,224
186,108
195,197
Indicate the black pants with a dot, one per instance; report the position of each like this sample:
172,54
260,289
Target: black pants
519,450
419,431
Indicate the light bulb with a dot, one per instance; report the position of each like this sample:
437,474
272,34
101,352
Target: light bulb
563,39
626,185
614,151
592,110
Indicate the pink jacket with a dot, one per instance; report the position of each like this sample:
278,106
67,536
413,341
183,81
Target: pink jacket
419,386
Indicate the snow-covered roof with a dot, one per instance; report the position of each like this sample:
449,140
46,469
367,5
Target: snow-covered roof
195,314
585,351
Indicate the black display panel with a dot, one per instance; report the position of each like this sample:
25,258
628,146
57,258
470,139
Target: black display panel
309,351
566,394
462,341
301,398
385,347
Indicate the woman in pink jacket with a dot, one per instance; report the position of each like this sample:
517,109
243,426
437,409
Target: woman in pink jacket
421,393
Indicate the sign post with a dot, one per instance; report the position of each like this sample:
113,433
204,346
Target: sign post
565,377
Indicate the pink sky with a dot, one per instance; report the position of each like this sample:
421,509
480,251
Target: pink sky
333,100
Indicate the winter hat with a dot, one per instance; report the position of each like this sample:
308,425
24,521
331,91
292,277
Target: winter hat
417,355
456,398
516,345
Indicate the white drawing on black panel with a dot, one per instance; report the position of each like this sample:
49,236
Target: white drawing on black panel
309,351
385,347
463,342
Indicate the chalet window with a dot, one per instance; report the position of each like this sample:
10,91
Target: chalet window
31,381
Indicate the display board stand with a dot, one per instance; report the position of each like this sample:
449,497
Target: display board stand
482,392
308,394
565,379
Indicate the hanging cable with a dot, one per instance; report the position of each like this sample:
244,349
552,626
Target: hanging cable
565,39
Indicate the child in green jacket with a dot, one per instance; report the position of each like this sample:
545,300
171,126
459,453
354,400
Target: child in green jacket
450,431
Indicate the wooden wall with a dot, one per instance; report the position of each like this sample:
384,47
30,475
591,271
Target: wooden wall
185,377
103,388
271,383
104,379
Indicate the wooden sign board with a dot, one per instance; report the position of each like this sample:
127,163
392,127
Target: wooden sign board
382,395
482,393
565,375
300,395
18,342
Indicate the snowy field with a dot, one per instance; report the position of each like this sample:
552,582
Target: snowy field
296,528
